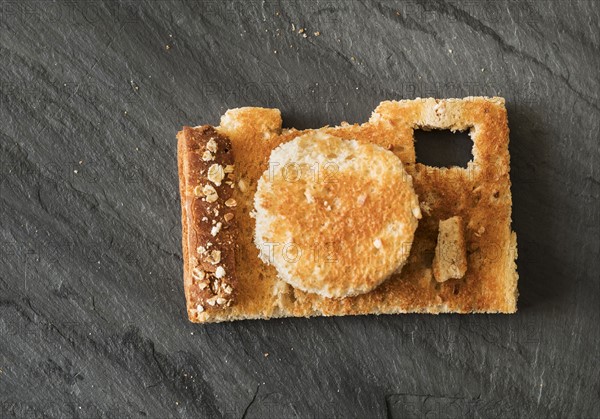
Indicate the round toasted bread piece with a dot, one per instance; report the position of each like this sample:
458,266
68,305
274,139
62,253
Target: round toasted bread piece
335,217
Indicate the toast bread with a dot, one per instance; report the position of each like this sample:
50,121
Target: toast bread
479,195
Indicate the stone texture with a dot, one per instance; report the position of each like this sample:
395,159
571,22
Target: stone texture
92,318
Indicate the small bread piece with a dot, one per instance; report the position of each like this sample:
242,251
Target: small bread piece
335,217
479,194
210,232
450,260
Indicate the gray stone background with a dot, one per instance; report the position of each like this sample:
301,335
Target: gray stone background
92,317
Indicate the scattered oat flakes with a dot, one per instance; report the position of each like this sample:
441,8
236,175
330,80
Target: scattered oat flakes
210,193
211,145
242,185
198,274
216,173
220,272
215,286
207,156
216,228
215,257
231,202
228,217
417,212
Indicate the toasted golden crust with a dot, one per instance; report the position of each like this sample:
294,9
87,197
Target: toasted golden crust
479,194
335,217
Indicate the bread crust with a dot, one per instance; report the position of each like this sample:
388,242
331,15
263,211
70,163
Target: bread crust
479,194
205,161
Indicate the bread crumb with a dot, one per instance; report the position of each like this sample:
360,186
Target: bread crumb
377,243
317,33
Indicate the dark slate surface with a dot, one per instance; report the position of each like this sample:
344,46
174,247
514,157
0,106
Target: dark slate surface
92,318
